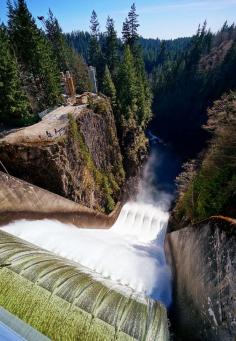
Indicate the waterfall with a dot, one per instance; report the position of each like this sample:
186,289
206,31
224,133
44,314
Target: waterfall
130,253
143,222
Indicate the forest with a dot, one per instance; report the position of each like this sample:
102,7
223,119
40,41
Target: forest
172,87
192,83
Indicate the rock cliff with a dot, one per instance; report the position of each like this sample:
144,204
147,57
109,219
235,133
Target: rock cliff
73,152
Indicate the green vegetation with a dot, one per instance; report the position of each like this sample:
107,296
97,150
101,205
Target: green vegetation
111,47
14,105
96,57
66,57
208,186
35,56
121,76
100,105
184,87
94,178
186,76
108,86
31,82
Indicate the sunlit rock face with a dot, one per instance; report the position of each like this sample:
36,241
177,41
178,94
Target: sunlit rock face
203,260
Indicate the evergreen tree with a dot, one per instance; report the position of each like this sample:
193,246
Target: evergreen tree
79,41
94,25
133,111
126,34
94,46
127,85
111,46
14,105
35,55
130,28
108,86
96,57
144,100
60,47
162,56
67,58
80,72
133,24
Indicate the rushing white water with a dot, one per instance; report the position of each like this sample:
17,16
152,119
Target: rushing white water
130,253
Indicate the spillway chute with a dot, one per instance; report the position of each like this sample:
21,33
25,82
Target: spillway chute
66,301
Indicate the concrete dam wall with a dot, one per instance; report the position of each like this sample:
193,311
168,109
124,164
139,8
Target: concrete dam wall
65,301
203,262
105,281
22,200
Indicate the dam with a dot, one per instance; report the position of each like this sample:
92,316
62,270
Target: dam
129,253
73,283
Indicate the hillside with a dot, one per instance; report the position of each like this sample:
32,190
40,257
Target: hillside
186,87
207,186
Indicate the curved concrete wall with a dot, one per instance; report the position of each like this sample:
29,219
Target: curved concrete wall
21,200
203,261
65,301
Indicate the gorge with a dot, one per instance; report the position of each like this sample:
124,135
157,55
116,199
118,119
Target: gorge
117,174
130,258
128,249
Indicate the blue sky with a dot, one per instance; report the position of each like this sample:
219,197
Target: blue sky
161,18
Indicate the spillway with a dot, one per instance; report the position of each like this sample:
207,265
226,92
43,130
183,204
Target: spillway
110,282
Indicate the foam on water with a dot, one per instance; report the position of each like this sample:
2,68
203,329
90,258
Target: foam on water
130,253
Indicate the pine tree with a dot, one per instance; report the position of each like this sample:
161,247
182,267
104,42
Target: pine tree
108,86
79,70
67,58
94,25
14,105
133,112
35,55
126,34
144,99
96,57
162,56
130,28
111,46
133,24
60,47
94,46
127,85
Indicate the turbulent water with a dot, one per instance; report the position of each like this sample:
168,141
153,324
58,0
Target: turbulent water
130,253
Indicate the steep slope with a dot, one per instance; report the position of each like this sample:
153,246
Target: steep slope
207,185
187,86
